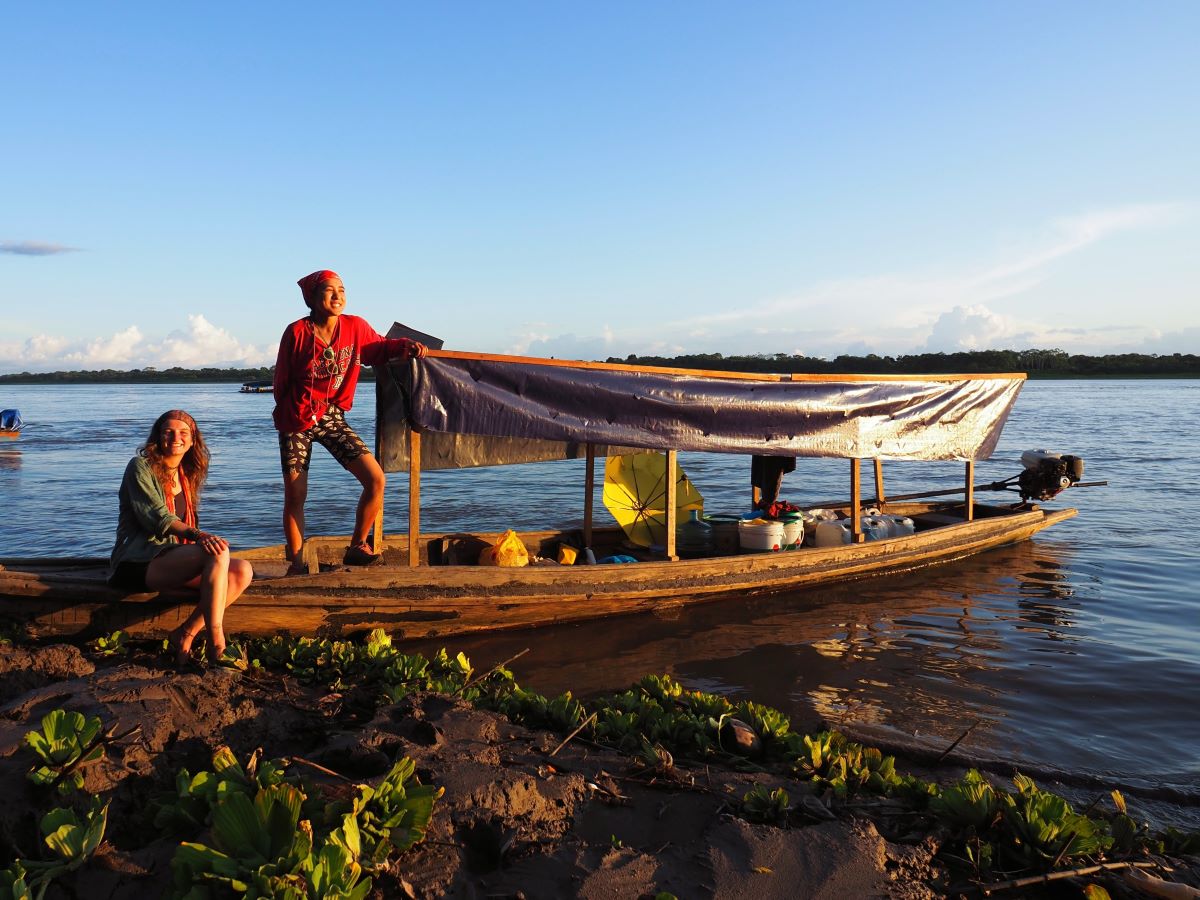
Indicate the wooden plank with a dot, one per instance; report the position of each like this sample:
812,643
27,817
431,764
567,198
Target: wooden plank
879,498
969,503
414,498
856,501
589,493
309,558
672,498
709,373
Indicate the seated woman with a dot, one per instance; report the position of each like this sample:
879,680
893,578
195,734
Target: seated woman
159,546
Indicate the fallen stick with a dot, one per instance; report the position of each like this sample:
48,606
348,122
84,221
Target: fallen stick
961,738
988,889
495,668
584,724
320,768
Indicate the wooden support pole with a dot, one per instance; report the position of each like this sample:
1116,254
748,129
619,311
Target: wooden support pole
589,491
375,539
969,502
879,498
672,498
414,497
856,501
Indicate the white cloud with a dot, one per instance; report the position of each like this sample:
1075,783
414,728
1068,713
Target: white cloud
200,344
968,328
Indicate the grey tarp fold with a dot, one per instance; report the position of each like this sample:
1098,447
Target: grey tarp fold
551,410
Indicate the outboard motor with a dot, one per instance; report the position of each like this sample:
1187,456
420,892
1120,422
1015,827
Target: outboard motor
1048,474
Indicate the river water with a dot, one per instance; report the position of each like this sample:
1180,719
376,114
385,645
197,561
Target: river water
1078,651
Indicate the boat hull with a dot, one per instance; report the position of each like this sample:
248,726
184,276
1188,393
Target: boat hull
68,597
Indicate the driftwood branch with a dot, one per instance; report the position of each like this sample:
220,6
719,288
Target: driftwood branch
988,889
107,738
493,669
961,738
584,724
320,768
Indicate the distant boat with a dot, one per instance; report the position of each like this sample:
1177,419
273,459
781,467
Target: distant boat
256,387
10,423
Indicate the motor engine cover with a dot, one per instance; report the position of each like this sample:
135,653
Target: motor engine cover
1047,474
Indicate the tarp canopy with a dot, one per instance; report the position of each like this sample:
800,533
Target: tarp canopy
487,410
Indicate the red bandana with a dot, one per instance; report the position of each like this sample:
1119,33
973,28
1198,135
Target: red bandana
309,283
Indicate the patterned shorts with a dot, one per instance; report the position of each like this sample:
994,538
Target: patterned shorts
331,432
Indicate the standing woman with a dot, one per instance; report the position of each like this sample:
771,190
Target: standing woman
159,546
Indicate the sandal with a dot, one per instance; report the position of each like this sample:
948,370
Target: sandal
296,567
360,555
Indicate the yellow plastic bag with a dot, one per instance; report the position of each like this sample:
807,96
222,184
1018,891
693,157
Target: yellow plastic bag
508,551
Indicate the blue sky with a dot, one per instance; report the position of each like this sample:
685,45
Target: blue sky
605,179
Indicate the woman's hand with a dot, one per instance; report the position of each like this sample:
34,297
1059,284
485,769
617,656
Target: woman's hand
213,544
417,350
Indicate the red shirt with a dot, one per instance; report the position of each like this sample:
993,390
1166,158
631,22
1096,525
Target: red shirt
310,375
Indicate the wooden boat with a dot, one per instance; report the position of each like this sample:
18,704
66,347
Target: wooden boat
256,387
457,409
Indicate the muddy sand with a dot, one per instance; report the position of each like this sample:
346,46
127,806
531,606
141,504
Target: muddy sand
516,819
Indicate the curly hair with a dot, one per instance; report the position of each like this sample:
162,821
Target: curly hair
194,464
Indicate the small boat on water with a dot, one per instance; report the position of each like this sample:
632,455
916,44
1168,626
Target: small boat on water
456,410
10,423
255,387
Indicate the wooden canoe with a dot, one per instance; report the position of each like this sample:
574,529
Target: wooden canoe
68,597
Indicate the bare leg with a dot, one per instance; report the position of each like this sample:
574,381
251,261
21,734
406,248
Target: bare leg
189,566
373,481
295,493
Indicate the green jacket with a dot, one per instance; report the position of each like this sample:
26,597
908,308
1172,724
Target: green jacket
143,517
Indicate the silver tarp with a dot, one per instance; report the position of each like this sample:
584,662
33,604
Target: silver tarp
551,410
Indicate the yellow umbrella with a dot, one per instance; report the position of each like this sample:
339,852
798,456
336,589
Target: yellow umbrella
635,492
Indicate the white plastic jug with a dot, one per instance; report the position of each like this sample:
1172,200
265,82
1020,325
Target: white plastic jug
830,533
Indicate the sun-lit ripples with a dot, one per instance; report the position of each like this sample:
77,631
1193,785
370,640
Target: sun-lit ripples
1077,651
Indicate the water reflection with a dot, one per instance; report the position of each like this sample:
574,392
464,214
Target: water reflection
886,652
10,458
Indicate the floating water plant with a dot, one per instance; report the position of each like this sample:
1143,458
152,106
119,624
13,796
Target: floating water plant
66,742
762,805
114,644
71,840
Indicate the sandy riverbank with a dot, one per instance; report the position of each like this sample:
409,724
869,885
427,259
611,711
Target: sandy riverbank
515,819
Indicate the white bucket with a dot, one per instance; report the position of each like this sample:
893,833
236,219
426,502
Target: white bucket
793,532
758,534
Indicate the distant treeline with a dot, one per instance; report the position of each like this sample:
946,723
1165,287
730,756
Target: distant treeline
174,375
1036,363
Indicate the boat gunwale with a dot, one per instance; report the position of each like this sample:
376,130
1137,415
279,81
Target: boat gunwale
717,373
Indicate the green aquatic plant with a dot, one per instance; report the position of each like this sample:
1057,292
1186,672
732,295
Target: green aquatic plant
392,815
762,805
189,807
71,840
264,849
971,803
1043,829
263,842
66,742
13,885
115,644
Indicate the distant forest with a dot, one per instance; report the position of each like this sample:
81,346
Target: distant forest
1037,363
